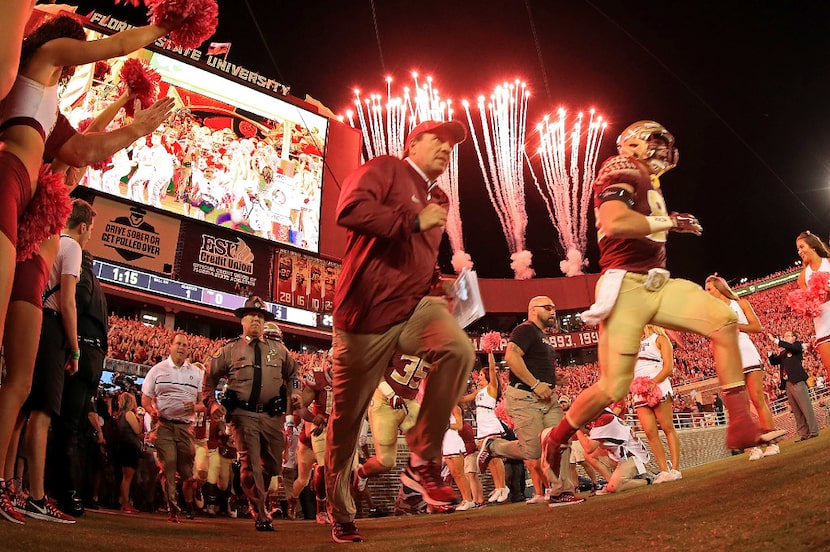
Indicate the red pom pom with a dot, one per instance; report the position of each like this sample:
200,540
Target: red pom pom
490,341
142,82
808,302
200,19
640,387
45,215
501,413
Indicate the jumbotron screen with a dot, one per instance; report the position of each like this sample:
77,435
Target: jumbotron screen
232,155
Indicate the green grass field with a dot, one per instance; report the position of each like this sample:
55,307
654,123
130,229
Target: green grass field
777,503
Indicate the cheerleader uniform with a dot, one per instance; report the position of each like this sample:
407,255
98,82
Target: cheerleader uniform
649,364
822,321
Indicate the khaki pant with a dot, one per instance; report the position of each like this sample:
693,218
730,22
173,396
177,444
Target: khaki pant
176,452
360,360
259,442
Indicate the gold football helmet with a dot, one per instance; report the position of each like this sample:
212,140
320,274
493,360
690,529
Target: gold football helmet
651,143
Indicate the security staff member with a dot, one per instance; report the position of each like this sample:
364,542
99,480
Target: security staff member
262,383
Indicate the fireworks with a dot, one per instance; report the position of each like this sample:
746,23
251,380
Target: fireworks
385,125
569,159
503,120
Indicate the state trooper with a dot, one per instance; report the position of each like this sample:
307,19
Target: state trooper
261,383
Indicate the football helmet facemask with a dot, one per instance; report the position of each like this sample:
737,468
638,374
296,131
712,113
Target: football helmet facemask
651,143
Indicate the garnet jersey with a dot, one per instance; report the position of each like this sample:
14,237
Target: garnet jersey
404,375
319,379
640,254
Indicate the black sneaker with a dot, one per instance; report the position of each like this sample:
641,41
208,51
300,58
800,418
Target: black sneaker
564,499
427,480
46,511
263,525
345,532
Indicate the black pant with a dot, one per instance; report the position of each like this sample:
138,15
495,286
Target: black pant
70,429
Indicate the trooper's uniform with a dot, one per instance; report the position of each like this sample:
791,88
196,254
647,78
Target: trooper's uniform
260,375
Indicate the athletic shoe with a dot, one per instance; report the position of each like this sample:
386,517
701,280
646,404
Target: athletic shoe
495,495
427,480
345,532
46,511
263,525
663,477
772,450
503,496
484,455
465,505
7,507
323,518
564,499
537,499
677,475
755,453
129,509
19,499
599,492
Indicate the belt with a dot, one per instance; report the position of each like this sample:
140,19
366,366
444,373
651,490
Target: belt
525,387
51,312
91,341
177,422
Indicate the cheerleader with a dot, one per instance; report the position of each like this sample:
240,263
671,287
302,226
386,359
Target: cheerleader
750,359
653,405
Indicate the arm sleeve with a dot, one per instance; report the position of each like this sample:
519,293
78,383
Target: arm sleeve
363,206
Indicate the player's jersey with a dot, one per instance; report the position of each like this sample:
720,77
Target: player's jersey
200,426
404,375
319,379
634,255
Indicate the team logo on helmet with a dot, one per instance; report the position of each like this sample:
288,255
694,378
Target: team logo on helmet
651,143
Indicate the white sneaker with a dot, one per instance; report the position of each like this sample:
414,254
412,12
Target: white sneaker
663,477
495,495
772,450
504,495
755,453
537,499
677,475
465,505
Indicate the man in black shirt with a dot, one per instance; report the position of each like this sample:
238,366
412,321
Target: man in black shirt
789,358
532,404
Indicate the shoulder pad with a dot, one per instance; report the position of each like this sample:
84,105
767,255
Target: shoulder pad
618,170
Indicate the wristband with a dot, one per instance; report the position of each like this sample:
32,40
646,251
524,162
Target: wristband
659,223
535,385
76,355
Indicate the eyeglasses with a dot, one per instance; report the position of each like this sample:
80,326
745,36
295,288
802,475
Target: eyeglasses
546,307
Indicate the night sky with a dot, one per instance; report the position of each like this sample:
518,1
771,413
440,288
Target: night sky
744,86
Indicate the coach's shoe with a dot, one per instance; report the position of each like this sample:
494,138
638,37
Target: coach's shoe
345,532
755,453
565,499
427,480
484,455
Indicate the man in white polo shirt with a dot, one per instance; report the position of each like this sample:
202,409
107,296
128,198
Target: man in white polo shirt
170,394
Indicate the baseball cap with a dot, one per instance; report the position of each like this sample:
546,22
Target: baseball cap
455,129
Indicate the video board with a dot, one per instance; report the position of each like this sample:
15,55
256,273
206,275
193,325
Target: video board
233,155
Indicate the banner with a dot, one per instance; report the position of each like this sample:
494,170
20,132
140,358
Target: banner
305,282
225,261
572,340
133,236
